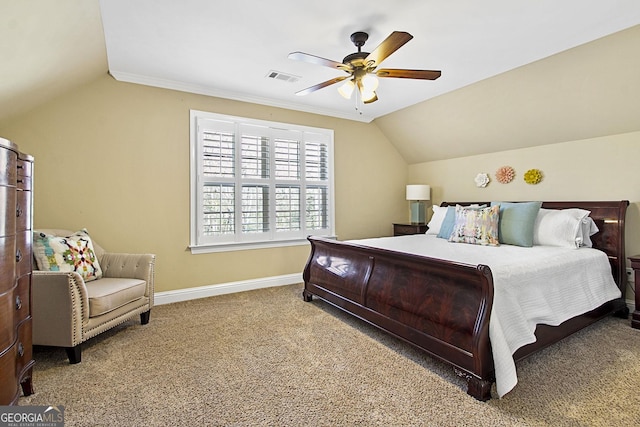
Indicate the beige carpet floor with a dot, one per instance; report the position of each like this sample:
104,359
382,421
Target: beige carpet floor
266,358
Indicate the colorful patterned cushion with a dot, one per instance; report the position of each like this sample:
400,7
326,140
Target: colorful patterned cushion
450,220
67,254
476,226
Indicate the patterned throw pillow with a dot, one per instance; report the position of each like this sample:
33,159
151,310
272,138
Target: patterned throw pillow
450,220
67,254
476,226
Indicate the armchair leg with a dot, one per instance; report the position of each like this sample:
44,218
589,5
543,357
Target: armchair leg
74,354
144,317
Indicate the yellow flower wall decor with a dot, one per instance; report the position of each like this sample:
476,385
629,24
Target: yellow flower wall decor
505,174
533,176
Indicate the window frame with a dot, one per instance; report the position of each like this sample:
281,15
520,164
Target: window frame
239,240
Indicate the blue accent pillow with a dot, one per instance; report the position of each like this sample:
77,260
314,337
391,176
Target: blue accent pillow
516,222
447,223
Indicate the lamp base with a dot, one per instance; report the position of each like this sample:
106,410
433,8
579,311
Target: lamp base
417,212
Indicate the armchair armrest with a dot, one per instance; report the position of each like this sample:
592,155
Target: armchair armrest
60,306
131,266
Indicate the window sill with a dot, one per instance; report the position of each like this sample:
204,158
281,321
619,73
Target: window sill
245,246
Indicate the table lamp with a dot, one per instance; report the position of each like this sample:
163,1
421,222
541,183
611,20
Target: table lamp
417,194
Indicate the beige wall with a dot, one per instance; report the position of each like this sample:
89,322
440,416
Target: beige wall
603,168
114,158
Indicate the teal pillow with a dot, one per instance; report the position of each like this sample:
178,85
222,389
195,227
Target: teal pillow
516,222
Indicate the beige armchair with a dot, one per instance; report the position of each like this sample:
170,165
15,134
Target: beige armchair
67,312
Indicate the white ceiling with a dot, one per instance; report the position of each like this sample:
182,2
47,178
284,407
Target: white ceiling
227,49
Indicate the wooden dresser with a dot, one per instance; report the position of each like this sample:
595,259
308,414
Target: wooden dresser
16,362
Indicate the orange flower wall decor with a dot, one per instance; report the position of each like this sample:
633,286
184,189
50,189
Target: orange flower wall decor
505,174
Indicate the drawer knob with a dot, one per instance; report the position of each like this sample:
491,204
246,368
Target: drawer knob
19,256
20,349
18,302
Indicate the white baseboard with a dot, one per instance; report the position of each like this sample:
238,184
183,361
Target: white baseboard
168,297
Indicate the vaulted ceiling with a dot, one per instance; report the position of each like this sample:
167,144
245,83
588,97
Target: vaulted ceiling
229,49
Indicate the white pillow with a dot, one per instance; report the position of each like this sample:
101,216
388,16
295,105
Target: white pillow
560,227
435,223
588,228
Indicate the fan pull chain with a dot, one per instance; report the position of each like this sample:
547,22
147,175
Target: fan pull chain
358,100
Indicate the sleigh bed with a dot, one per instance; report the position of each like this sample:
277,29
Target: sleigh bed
443,306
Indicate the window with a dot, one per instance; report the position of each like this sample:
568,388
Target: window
258,184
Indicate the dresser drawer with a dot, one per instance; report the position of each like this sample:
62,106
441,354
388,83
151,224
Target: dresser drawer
7,320
8,217
23,183
24,167
22,298
15,364
23,254
23,174
8,376
14,308
24,349
8,168
7,263
23,210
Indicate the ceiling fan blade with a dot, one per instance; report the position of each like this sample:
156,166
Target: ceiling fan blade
392,43
321,85
408,74
301,56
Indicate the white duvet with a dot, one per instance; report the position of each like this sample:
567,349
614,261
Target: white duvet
537,285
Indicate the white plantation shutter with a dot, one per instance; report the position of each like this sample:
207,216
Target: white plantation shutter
256,182
318,194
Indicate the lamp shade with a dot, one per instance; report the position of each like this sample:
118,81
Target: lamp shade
418,192
347,89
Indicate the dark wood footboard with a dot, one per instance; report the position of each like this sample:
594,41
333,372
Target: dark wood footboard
442,307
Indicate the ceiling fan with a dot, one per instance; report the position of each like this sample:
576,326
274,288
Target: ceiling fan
362,67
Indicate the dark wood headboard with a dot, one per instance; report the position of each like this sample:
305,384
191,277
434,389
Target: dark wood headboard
609,216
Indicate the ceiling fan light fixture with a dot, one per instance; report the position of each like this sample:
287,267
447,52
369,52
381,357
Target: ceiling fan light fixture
369,83
346,90
369,96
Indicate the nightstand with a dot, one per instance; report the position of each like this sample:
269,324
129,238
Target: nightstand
405,229
635,264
